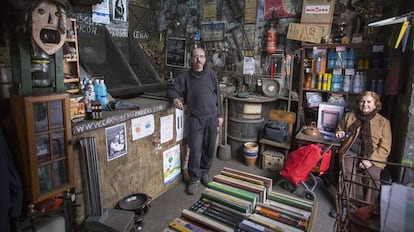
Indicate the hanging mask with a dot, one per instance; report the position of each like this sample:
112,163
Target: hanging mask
48,24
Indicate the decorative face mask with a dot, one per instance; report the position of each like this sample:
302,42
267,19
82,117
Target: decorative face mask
48,26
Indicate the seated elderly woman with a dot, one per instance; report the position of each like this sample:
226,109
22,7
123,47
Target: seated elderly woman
370,137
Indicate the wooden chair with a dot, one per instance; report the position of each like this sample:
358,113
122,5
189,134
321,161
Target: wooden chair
276,115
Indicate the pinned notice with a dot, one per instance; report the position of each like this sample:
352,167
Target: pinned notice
305,32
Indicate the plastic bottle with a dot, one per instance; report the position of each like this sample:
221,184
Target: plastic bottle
363,80
347,83
97,88
331,59
89,93
344,63
351,59
336,82
103,94
357,83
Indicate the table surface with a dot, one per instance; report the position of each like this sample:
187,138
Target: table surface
316,139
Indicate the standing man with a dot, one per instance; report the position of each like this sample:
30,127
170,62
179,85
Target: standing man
199,88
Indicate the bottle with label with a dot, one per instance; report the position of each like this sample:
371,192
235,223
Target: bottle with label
331,59
103,94
97,89
350,58
89,95
356,85
337,82
347,87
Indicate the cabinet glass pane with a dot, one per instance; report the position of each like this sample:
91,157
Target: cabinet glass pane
56,110
40,116
58,144
45,178
61,177
42,148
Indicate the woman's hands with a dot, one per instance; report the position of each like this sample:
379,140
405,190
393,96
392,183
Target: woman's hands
340,134
365,164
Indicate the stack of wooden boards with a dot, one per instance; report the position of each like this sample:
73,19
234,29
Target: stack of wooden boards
241,201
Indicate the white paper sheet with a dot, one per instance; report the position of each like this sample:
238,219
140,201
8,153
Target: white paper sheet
166,128
142,126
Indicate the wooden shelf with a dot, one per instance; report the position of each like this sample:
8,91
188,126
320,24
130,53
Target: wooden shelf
71,64
71,80
73,90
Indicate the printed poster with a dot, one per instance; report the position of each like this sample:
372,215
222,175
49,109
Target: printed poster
100,12
142,126
116,142
171,164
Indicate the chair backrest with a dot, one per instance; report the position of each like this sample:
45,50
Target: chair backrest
289,117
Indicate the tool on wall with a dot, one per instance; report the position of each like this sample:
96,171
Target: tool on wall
233,32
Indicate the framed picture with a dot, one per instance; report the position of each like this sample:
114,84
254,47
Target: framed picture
120,9
212,32
116,141
176,52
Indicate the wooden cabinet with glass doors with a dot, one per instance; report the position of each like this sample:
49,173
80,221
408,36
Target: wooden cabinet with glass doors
45,142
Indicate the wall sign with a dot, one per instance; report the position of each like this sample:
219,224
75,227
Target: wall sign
212,32
176,52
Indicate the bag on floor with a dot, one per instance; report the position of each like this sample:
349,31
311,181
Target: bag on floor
300,162
276,131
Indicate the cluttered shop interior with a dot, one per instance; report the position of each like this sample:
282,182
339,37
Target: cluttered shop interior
219,115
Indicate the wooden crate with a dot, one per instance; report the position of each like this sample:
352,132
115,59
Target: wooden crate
272,160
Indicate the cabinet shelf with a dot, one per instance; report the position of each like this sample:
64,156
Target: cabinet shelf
328,91
73,90
44,132
362,50
361,45
71,80
71,58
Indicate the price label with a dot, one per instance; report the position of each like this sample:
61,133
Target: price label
337,71
377,48
340,48
349,71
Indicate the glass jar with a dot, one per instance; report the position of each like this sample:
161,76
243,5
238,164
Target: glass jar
40,74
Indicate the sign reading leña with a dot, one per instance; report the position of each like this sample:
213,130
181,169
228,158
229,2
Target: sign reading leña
305,32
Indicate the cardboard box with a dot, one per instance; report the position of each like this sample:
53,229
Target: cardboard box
272,160
77,108
318,13
329,116
305,32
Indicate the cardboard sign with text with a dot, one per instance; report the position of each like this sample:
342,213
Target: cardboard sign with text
305,32
318,12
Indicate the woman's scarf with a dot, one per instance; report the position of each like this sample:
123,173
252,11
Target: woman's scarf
362,121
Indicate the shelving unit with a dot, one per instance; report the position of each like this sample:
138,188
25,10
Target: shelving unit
44,132
282,75
71,69
362,51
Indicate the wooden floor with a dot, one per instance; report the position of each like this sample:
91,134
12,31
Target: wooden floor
169,205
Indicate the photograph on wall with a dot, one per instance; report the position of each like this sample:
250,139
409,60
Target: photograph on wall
171,164
116,141
176,52
120,9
